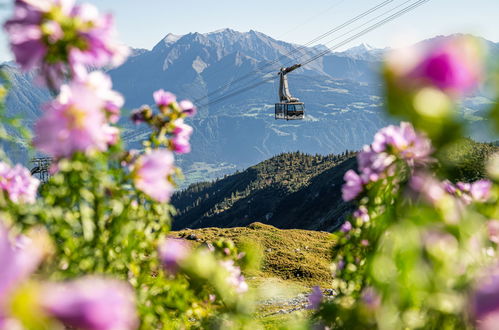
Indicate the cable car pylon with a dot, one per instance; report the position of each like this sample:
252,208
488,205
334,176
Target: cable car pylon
289,107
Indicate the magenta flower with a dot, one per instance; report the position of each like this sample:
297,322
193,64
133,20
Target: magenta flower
164,99
234,278
315,298
18,183
19,258
188,108
353,186
51,35
172,252
150,174
91,303
484,303
453,65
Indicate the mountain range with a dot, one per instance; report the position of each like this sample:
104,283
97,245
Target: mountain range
342,94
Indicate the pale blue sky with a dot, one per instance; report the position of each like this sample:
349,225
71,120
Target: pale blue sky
143,23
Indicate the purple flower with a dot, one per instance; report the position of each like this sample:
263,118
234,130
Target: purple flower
38,33
91,303
150,174
353,186
141,115
362,213
18,183
484,302
19,258
188,108
164,99
403,141
315,298
172,252
346,227
371,298
234,277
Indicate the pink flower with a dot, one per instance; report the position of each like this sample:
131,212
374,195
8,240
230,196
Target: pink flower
102,85
18,183
403,141
172,252
353,186
38,31
182,133
362,213
73,122
315,298
91,303
234,277
188,108
480,190
164,99
150,173
19,259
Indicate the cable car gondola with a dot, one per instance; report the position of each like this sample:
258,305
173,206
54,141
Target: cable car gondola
289,107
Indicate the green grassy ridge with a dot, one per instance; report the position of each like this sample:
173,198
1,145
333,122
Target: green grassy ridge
296,256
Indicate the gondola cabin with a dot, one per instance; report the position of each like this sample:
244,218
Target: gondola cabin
289,107
289,111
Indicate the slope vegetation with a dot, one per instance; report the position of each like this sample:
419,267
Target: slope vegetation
291,190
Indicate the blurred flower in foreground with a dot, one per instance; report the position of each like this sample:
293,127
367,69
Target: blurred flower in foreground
91,303
19,258
172,252
164,99
371,298
18,183
50,34
150,174
315,298
485,303
188,108
453,65
234,278
76,120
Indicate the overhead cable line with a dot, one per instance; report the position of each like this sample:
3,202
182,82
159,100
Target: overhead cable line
341,44
299,49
